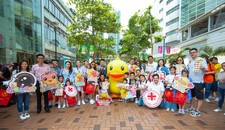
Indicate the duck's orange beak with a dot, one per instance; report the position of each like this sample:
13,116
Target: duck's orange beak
116,76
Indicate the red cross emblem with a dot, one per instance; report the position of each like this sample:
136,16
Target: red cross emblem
70,89
151,96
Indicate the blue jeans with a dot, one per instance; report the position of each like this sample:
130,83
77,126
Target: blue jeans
221,97
207,89
23,100
171,105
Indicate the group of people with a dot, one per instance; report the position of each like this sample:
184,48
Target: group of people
207,75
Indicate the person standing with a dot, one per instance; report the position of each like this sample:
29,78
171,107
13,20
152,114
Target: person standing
151,65
102,67
197,67
215,83
39,69
55,67
209,78
23,98
180,65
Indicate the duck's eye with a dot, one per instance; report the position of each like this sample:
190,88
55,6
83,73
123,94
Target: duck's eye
122,68
111,68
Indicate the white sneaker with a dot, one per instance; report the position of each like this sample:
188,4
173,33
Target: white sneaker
224,114
59,106
207,100
64,105
136,100
217,110
172,110
92,101
167,109
210,97
83,102
96,97
195,114
23,116
27,115
78,103
217,99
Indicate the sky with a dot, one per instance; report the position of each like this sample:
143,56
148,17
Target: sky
128,8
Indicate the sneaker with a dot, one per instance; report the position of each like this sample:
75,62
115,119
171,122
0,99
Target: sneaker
224,114
27,115
59,106
207,100
92,101
83,102
120,100
217,110
96,97
22,117
217,99
78,103
179,111
182,111
172,110
136,100
167,109
195,114
189,109
210,97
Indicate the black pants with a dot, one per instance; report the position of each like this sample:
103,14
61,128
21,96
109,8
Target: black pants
39,96
138,93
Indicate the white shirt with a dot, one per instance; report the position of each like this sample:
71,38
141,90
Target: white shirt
158,88
170,78
195,73
151,67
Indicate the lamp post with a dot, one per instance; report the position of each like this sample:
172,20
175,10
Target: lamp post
164,46
87,49
55,24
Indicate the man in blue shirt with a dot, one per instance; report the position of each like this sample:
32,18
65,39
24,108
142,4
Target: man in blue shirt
197,67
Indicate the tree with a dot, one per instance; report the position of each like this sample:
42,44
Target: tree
91,19
208,51
136,36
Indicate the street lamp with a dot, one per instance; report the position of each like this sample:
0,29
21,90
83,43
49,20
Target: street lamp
164,46
55,24
87,49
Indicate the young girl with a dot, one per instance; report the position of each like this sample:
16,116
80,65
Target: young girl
184,73
66,97
59,91
23,98
221,88
104,98
142,87
169,82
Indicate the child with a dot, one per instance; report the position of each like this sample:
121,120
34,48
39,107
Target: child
126,75
221,88
142,87
123,90
184,73
59,91
169,81
133,82
104,98
66,97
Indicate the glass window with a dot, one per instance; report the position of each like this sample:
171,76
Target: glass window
171,32
51,7
168,1
172,21
2,8
46,3
161,10
172,10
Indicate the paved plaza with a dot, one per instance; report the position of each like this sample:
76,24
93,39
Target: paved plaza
116,116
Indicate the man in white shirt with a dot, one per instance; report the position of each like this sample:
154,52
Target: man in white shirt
156,85
151,65
197,67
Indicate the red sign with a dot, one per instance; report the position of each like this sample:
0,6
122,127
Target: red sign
152,99
160,49
167,49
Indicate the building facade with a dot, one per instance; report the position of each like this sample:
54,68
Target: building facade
202,23
21,30
56,18
167,11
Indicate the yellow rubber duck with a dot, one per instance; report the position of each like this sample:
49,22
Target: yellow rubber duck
116,70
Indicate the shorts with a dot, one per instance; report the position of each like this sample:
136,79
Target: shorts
198,91
214,86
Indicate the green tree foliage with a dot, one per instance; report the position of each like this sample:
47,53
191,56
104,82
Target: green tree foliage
91,19
136,36
208,51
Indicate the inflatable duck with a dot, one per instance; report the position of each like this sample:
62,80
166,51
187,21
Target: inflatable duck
116,70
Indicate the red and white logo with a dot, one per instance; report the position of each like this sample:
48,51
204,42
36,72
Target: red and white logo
152,99
71,91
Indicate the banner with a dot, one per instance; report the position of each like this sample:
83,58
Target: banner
22,82
83,49
90,88
92,48
71,101
160,49
49,81
180,98
92,75
168,49
169,95
79,80
182,84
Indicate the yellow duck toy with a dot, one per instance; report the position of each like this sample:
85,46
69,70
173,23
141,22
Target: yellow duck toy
116,70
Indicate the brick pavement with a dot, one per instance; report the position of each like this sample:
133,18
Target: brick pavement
116,116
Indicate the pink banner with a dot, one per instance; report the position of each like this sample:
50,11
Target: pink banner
160,49
167,49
